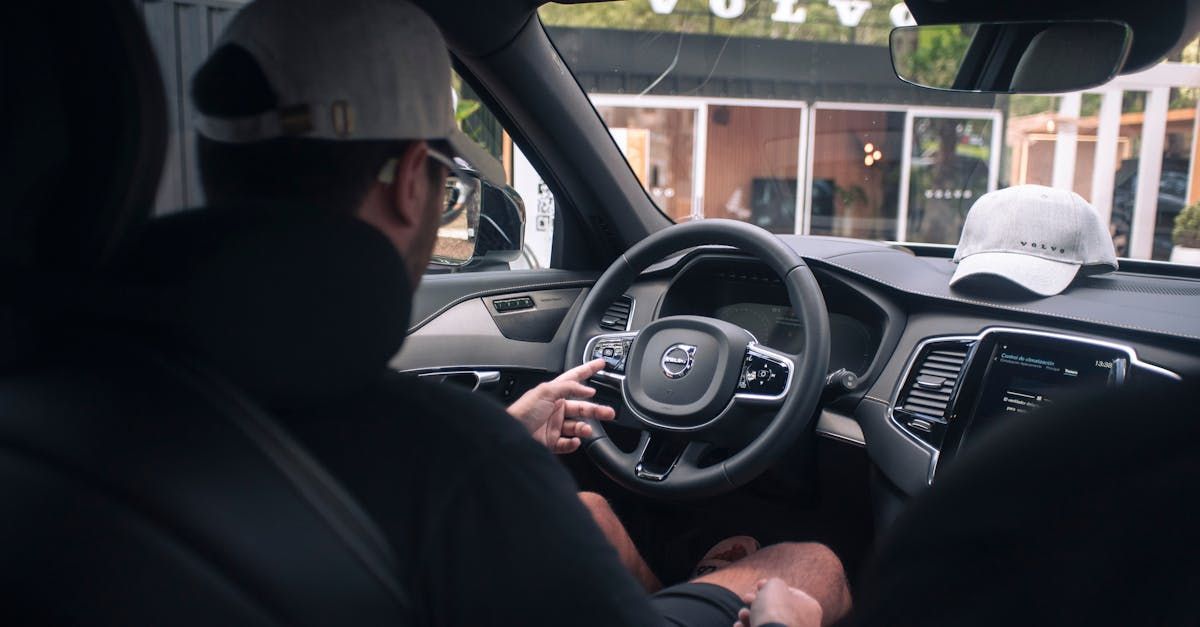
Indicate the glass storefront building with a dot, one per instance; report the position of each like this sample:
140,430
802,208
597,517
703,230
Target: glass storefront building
787,114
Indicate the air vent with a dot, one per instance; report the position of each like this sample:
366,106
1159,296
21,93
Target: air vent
616,317
932,379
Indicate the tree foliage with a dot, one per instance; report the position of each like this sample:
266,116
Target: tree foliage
938,53
1187,227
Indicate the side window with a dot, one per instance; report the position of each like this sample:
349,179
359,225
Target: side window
481,125
183,33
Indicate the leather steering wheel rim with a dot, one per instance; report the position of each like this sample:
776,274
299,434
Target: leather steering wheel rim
795,414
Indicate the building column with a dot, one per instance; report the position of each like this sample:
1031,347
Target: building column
700,161
905,178
1065,143
1104,170
1193,194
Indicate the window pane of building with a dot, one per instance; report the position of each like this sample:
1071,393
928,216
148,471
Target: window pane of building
1030,139
659,144
752,159
950,165
856,172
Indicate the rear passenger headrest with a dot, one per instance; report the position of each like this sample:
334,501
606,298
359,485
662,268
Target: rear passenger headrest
291,305
84,127
83,121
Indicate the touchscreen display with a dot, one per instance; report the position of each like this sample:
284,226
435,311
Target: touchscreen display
1024,377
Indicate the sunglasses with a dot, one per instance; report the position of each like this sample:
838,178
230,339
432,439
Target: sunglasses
462,191
461,204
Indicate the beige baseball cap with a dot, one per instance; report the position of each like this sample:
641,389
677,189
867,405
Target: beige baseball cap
1037,237
349,70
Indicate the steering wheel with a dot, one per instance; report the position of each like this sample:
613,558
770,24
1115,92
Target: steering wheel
689,381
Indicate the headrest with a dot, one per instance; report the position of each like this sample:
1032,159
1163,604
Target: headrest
291,305
84,141
84,134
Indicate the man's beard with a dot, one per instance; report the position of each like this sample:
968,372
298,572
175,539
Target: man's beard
422,250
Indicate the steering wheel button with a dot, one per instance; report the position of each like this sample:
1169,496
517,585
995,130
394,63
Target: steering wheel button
762,376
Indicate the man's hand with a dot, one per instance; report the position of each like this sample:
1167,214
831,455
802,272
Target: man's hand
774,602
553,413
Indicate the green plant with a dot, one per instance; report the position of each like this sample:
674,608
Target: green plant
1187,227
466,108
851,196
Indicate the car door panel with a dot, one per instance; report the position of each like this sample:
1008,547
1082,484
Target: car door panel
466,336
463,334
438,293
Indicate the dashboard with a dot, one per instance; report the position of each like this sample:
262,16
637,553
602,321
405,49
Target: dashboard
937,369
934,377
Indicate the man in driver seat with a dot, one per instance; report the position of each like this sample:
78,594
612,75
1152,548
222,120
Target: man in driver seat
345,106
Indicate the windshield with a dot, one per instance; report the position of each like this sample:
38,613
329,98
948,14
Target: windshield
787,114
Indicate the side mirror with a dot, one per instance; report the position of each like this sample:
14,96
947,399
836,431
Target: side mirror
484,229
501,237
458,233
1011,57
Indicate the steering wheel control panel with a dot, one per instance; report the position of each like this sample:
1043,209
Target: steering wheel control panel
613,350
762,376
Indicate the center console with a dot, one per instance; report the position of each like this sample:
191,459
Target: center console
957,389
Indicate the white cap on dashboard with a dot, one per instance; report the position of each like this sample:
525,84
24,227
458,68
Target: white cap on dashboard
1037,237
349,70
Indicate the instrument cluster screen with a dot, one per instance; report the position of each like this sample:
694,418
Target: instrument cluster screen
777,326
746,293
774,325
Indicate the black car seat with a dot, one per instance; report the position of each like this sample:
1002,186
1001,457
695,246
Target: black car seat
84,134
1082,513
137,485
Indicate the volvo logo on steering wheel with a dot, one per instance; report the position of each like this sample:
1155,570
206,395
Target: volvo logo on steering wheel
677,360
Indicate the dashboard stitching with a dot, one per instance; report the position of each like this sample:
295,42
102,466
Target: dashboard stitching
999,306
499,290
850,252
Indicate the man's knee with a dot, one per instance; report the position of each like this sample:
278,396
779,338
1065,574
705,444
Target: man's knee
815,556
599,508
594,502
816,569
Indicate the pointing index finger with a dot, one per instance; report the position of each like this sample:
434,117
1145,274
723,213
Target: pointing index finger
582,372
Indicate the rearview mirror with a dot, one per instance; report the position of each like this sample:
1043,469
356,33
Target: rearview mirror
1011,57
